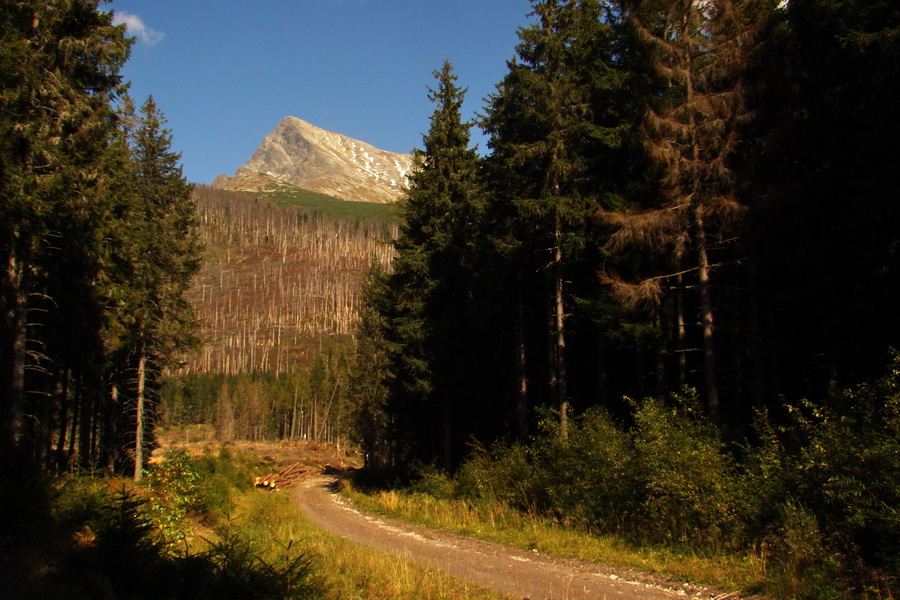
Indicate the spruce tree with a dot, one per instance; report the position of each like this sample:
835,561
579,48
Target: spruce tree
59,67
164,254
554,125
432,279
823,230
697,52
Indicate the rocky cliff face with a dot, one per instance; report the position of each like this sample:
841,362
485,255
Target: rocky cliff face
311,158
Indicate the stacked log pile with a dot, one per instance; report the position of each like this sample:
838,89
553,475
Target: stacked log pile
286,476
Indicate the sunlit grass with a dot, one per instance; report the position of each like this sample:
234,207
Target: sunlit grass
498,523
275,525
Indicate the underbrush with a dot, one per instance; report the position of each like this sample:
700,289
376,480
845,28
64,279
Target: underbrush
90,537
810,509
196,529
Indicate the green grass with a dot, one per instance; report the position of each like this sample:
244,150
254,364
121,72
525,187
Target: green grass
313,203
274,532
348,571
495,522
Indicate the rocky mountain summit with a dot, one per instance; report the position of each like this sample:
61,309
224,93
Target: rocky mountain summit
299,154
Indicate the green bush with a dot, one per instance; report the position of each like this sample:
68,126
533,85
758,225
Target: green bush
587,475
687,484
840,459
798,560
500,474
431,481
234,569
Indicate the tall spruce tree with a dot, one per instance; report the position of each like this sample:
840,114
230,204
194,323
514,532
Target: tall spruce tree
697,51
368,391
432,281
59,67
164,254
823,225
550,134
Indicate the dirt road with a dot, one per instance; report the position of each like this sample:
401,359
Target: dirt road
507,570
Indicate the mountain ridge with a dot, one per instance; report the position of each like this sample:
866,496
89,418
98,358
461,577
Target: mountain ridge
300,154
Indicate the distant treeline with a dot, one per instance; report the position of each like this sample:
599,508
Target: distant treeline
309,403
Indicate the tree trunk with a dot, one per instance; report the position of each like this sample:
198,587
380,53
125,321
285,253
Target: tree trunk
61,456
447,433
85,427
559,349
112,430
139,429
682,330
76,409
12,353
660,361
706,318
521,374
756,336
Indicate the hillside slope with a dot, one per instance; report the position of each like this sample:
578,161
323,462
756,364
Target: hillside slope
275,279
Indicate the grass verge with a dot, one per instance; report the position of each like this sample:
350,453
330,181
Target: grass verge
497,523
348,571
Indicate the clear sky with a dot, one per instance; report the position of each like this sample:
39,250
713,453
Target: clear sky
225,72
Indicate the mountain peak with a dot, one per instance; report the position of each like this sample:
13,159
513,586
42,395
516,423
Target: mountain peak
303,155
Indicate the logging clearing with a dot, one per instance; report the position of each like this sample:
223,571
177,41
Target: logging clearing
274,279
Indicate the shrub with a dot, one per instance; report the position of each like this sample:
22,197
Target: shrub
687,485
797,558
588,475
500,474
846,467
431,481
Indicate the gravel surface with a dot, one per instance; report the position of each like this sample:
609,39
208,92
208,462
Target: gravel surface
511,571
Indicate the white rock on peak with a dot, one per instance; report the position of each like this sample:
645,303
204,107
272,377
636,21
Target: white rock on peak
314,159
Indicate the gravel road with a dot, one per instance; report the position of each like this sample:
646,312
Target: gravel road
507,570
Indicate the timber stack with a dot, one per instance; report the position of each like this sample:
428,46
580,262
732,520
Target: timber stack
286,476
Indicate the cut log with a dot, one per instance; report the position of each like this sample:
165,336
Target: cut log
286,476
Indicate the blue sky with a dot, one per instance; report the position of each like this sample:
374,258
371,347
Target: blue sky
225,72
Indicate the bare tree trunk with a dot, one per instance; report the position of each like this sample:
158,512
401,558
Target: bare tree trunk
660,361
112,429
84,429
76,409
61,457
602,388
293,433
562,390
43,432
447,433
139,429
756,336
706,318
682,330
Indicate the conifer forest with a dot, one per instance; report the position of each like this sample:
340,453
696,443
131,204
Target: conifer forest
661,303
